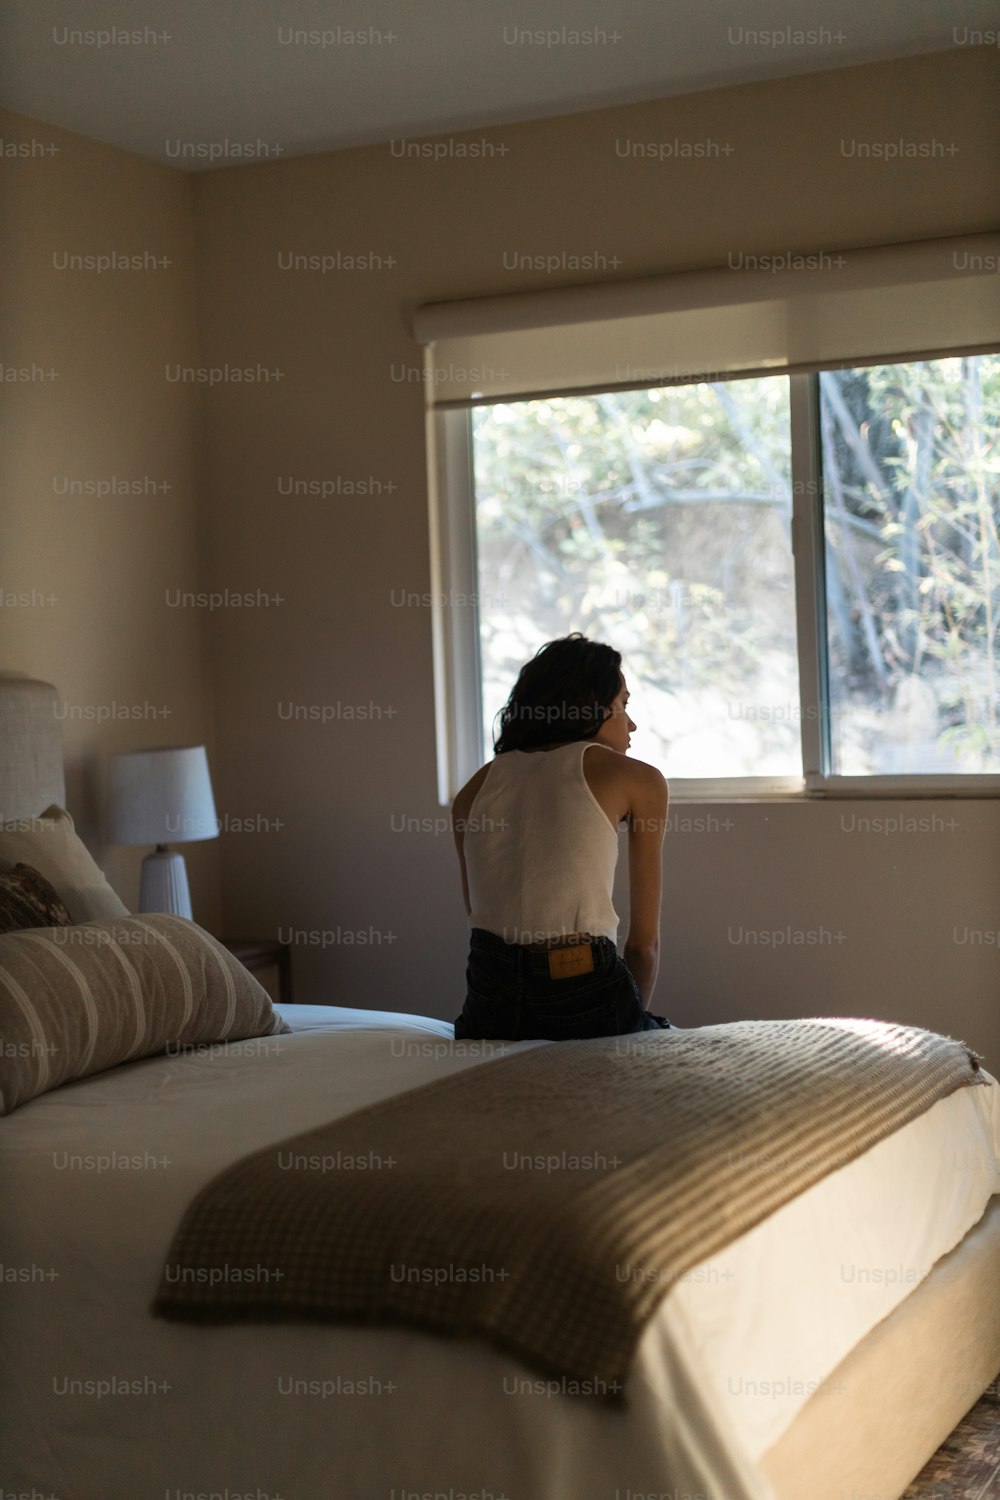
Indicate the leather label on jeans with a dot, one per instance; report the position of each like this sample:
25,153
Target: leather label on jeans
564,963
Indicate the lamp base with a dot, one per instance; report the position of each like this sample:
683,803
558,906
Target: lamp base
164,884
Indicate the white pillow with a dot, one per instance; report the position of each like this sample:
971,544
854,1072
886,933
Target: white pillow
51,844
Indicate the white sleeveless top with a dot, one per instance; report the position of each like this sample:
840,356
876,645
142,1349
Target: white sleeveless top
540,851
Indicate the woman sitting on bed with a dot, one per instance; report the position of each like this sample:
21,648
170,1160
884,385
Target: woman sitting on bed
536,832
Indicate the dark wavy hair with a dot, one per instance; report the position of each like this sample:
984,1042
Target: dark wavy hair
563,693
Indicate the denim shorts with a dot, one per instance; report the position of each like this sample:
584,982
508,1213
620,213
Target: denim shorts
511,995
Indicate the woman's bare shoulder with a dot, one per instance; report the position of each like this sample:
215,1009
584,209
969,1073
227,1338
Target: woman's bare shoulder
623,786
650,775
602,760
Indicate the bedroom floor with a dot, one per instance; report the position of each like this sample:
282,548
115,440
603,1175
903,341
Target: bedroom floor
967,1464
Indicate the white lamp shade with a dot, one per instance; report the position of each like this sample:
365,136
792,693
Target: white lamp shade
161,796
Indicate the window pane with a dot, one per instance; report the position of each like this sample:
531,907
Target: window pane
658,521
912,502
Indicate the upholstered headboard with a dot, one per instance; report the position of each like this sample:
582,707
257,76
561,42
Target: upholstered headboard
31,755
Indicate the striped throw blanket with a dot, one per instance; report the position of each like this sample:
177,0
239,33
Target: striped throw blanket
549,1199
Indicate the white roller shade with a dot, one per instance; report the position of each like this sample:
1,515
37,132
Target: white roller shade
808,312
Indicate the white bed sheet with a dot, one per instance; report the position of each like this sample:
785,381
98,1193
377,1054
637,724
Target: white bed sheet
211,1408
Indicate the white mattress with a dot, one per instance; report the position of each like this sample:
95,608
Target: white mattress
733,1353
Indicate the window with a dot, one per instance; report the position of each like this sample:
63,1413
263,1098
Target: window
802,571
911,467
660,521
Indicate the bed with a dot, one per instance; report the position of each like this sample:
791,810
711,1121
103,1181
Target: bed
824,1354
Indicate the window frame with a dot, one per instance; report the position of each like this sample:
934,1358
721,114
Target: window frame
461,747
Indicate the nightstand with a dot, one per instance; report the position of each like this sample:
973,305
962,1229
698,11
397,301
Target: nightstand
269,962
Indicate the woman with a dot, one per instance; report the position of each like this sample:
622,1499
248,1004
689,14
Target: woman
536,833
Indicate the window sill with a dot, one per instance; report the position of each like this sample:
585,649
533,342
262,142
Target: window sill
834,788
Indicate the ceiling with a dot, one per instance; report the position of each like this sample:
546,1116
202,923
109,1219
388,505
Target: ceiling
261,72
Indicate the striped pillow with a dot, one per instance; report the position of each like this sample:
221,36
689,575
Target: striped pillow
77,1000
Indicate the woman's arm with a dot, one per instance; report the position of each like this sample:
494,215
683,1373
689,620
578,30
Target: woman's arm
647,824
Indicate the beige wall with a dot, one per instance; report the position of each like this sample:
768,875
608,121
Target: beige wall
94,569
339,411
335,867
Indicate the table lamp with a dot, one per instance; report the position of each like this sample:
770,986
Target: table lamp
155,796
